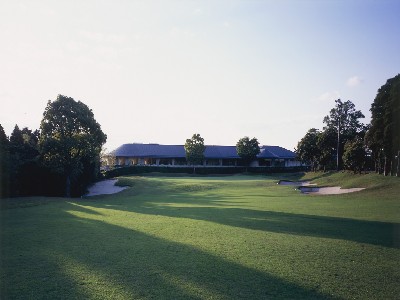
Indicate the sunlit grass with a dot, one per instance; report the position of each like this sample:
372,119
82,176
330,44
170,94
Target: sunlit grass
206,238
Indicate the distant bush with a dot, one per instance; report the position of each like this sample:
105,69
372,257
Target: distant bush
200,170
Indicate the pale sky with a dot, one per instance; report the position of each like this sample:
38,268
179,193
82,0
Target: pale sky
159,71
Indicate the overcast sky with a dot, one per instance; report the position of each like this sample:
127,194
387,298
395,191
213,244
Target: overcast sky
159,71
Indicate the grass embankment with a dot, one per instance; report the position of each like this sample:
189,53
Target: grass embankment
207,238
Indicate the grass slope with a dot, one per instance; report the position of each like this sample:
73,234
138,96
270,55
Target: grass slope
239,237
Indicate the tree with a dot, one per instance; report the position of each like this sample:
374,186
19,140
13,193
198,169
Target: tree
307,149
17,159
354,154
24,165
383,137
327,143
71,142
16,138
194,149
343,118
4,164
373,144
248,149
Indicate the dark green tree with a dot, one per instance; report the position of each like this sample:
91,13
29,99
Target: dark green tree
326,143
307,148
24,164
354,154
16,138
194,149
16,160
395,95
71,142
4,164
372,142
383,137
344,120
248,149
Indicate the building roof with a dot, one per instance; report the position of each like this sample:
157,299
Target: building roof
275,152
220,152
178,151
150,151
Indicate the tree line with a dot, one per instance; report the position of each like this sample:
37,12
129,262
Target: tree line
63,157
60,159
346,143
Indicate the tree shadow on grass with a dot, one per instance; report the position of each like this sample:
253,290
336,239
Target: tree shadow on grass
150,267
94,259
221,211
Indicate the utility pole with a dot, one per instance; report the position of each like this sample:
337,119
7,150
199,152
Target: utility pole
398,164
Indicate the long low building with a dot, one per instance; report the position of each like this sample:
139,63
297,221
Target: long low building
174,155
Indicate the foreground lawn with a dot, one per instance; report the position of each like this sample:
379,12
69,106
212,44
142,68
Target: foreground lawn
237,237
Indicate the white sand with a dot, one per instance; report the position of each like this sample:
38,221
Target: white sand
309,188
105,187
334,190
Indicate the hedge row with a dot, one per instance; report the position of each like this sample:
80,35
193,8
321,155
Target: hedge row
200,170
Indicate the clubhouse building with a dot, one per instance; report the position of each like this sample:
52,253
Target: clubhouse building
174,155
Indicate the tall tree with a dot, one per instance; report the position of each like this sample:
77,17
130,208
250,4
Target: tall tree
327,143
307,149
4,164
194,149
71,141
248,149
354,154
383,137
16,160
373,143
23,162
344,120
395,95
16,138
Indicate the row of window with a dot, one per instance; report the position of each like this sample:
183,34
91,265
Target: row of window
208,162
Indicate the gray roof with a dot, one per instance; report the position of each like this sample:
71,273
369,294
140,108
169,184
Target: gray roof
275,152
150,151
178,151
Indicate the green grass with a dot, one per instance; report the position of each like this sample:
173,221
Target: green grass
235,237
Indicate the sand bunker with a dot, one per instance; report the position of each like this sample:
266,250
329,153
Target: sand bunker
310,188
105,187
334,190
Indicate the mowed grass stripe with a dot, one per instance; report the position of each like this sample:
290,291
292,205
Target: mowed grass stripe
204,238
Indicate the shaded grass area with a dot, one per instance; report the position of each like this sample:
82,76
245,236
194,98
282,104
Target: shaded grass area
239,237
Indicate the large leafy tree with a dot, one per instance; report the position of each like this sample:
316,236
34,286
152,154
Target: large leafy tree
248,149
194,150
354,154
343,119
71,141
327,142
307,148
383,137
